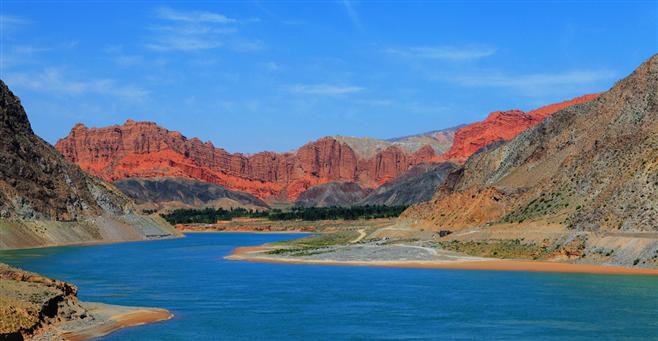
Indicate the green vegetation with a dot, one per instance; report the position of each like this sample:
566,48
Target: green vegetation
313,245
496,248
520,248
212,215
209,215
334,213
543,205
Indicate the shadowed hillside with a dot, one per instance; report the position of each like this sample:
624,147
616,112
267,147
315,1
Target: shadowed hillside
46,200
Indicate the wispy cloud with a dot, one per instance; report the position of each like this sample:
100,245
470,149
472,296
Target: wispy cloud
187,38
117,55
272,66
29,49
11,21
167,13
197,30
535,83
54,81
352,14
324,89
449,53
21,55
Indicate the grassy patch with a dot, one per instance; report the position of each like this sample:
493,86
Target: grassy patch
541,206
312,245
497,249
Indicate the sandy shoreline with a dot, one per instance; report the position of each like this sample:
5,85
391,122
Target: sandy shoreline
254,232
106,319
256,254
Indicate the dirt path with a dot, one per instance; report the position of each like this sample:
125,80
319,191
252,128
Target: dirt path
362,234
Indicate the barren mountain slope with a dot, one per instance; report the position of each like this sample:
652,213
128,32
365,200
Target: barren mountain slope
332,194
416,185
439,140
170,192
592,167
502,126
46,200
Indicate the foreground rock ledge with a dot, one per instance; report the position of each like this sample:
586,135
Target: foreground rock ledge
39,308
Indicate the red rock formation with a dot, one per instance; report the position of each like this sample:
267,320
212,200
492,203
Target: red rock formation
143,149
548,110
502,126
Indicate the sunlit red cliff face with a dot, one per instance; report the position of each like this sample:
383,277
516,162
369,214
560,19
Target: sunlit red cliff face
502,126
143,149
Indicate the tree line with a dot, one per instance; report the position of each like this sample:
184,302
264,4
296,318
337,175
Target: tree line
212,215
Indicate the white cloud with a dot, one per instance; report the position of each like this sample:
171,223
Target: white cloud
9,21
117,55
324,89
53,81
182,42
352,14
167,13
450,53
535,84
20,55
197,31
29,49
272,66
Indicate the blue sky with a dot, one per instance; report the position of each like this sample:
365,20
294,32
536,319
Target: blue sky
273,75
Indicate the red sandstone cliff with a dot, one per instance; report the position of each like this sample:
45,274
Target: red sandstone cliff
502,126
143,149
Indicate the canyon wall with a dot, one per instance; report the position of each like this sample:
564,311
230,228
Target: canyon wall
502,126
144,149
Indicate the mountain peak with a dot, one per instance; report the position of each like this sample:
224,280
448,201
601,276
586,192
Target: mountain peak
14,118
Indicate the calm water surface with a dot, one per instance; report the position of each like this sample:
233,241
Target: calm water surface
215,299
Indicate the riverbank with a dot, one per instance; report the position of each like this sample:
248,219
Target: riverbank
107,319
39,308
410,256
28,234
263,225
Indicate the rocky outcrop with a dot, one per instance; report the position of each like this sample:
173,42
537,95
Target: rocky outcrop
589,167
438,141
343,194
38,187
143,149
169,193
416,185
31,302
34,307
146,150
37,183
502,126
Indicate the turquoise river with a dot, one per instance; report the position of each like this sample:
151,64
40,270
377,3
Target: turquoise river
216,299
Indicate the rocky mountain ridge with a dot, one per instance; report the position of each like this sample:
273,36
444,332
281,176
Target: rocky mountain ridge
439,141
589,167
344,194
502,126
46,200
143,149
171,193
146,150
